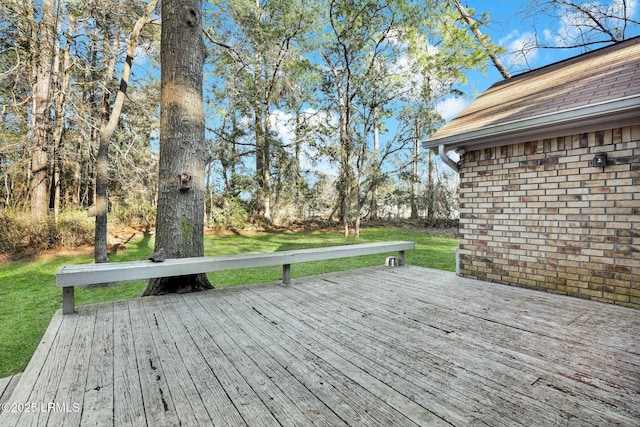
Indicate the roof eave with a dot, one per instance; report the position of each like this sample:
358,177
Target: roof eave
610,114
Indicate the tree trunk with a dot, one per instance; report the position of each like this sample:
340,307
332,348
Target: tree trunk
259,123
431,197
345,177
183,149
299,201
102,201
41,100
473,26
373,211
107,128
356,227
90,132
266,168
102,156
414,174
76,187
62,78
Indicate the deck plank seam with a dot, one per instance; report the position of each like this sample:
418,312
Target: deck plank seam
397,366
326,351
608,403
318,363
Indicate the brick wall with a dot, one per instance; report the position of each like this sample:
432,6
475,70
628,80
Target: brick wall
537,215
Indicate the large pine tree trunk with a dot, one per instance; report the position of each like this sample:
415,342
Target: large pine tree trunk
183,149
41,100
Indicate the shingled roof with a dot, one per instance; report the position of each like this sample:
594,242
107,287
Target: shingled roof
593,91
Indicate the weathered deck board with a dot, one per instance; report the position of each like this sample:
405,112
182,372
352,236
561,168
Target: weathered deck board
43,390
401,355
373,347
219,407
213,343
349,355
156,396
344,398
99,385
264,368
127,392
7,385
516,341
73,373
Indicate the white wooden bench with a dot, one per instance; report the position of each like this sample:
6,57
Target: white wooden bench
87,274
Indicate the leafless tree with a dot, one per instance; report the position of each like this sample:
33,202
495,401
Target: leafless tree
111,116
583,23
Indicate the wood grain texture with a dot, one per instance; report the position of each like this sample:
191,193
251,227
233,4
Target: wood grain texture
7,385
371,347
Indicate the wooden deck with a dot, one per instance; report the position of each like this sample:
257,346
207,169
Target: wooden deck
382,346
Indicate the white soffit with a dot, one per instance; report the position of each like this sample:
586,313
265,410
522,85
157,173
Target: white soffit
588,118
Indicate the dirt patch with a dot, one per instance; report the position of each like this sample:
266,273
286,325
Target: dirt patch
118,236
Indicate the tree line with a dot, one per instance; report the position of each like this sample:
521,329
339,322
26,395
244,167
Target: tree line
312,109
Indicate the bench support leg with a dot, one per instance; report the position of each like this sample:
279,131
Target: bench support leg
67,300
286,274
400,258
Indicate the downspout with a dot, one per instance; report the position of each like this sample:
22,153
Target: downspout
453,165
446,159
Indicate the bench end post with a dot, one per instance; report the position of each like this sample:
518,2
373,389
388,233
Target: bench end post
400,258
67,300
286,274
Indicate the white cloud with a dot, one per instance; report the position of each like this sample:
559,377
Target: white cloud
450,107
405,68
521,49
283,125
578,26
548,36
632,6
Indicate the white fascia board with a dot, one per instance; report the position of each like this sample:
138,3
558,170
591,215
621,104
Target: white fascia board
610,114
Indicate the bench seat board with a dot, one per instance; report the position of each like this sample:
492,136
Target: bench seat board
85,274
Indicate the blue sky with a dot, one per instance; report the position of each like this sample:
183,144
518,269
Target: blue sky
513,27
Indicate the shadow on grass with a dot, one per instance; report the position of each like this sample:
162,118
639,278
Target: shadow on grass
145,243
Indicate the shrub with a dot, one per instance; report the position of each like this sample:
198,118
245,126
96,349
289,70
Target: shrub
442,222
12,230
140,212
73,229
20,232
228,213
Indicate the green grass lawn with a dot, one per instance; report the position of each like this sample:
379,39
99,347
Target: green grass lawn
29,297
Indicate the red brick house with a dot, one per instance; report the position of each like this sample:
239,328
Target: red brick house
540,205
